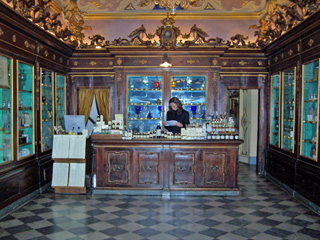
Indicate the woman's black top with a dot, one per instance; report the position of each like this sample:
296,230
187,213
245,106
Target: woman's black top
183,118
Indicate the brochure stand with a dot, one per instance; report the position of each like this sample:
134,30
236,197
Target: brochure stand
69,167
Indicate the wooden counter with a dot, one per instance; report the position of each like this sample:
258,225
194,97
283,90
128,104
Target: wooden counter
165,166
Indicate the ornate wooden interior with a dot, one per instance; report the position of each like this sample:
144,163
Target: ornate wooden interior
228,64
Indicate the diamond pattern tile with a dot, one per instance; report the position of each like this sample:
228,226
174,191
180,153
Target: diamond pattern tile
262,211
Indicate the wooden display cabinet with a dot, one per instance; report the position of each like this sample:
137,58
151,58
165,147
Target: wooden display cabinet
194,167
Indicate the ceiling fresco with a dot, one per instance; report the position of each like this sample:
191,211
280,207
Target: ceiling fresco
125,8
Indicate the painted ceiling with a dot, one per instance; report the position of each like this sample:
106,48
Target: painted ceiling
99,9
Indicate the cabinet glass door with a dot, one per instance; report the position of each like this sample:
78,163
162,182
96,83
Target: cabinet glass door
60,100
288,109
46,110
191,91
144,100
25,110
6,110
274,110
310,103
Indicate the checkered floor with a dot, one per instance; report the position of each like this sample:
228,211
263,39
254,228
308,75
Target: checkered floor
263,211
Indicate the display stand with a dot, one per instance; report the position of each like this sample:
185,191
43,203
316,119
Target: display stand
69,165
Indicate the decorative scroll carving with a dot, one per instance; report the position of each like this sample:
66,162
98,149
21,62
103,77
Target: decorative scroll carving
277,19
167,38
39,13
1,31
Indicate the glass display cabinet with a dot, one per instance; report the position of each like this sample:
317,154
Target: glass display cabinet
144,101
288,109
310,112
25,110
274,110
46,110
60,100
191,91
6,110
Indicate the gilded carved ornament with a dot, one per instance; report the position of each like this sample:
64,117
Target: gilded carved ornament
1,31
192,61
224,63
310,43
290,52
298,47
75,63
119,61
110,63
242,63
14,38
27,44
93,63
282,55
54,57
260,63
142,61
277,19
60,60
214,62
46,53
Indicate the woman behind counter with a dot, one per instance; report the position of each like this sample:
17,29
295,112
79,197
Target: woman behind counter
176,112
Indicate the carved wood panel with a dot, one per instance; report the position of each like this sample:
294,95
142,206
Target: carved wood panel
148,167
214,168
184,168
118,167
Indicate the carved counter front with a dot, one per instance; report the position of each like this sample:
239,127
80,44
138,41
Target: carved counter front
175,167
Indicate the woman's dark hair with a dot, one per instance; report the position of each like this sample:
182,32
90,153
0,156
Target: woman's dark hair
179,104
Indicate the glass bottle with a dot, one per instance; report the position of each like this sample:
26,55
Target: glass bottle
158,133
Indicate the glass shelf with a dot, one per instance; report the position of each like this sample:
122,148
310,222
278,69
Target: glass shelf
46,110
275,111
145,104
288,109
6,110
60,100
25,110
309,123
191,91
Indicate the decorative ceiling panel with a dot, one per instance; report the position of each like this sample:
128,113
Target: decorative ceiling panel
206,9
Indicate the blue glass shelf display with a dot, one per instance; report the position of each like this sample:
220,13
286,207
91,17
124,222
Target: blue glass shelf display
144,103
26,110
6,110
46,110
275,111
191,91
288,109
60,100
310,103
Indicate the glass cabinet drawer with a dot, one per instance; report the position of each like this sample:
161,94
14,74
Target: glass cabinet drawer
288,109
191,91
25,110
144,101
46,110
6,110
275,111
310,103
60,100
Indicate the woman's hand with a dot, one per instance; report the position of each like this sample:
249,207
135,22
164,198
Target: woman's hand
179,124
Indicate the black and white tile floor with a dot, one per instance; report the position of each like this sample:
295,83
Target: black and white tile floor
262,211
